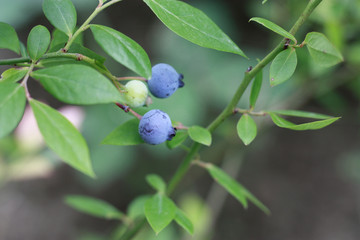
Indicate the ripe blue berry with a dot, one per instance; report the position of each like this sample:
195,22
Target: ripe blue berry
164,80
155,127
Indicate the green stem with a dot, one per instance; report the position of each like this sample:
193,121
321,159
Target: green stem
85,25
228,111
26,78
14,61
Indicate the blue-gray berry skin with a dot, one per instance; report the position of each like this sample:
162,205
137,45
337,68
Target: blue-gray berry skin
155,127
164,80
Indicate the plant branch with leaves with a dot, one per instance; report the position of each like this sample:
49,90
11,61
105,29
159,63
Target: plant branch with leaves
75,74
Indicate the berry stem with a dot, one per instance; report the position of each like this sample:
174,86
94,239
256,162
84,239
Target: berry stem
128,109
131,78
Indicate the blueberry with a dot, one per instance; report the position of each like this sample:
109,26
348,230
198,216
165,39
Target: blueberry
155,127
164,80
136,93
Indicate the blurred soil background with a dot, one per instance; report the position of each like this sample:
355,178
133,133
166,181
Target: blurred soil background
309,180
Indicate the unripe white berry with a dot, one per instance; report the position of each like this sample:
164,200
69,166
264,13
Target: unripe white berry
136,93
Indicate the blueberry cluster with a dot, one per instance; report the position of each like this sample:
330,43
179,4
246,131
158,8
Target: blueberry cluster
155,126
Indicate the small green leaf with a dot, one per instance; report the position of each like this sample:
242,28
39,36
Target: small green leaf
8,38
255,89
12,106
77,84
62,137
13,75
59,39
124,135
61,14
322,50
23,50
156,182
176,141
246,129
256,201
273,27
297,113
193,25
38,42
136,207
283,66
200,135
159,211
94,207
123,49
233,187
281,122
184,221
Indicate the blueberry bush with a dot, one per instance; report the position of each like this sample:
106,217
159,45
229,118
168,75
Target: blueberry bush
77,75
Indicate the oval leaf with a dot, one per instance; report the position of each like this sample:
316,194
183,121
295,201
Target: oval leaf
59,39
281,122
193,25
94,207
38,42
12,106
77,84
156,182
62,137
8,38
123,49
255,89
176,141
200,135
184,221
227,182
283,66
322,50
297,113
124,135
61,14
273,27
13,75
159,211
246,129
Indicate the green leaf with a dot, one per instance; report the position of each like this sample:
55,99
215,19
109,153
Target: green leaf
297,113
322,50
61,14
38,42
23,50
256,201
283,66
62,137
193,25
13,75
232,186
156,182
136,207
12,106
176,141
94,207
273,27
124,135
255,89
8,38
200,135
184,221
123,49
281,122
159,211
77,84
59,39
246,129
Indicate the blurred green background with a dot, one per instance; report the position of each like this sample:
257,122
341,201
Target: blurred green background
309,180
